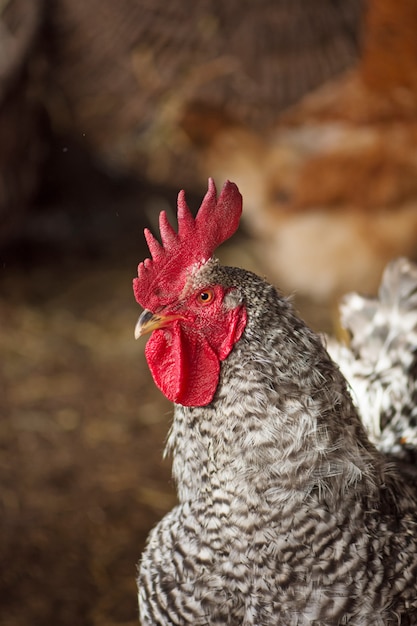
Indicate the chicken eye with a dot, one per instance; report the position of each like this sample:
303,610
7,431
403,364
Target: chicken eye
205,297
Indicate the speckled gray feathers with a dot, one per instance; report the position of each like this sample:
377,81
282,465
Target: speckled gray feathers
287,514
380,362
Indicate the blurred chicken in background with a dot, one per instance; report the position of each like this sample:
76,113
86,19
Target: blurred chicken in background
331,191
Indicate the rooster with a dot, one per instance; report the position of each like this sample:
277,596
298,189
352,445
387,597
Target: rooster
288,515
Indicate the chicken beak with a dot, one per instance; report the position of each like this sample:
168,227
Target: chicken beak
148,322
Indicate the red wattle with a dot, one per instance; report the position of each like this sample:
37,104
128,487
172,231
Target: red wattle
183,365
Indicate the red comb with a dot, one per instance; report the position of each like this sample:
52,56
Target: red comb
193,245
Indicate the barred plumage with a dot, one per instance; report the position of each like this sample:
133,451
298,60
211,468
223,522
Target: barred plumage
287,514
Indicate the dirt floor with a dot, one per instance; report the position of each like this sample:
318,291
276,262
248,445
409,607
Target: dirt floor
82,425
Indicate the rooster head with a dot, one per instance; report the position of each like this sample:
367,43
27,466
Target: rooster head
195,318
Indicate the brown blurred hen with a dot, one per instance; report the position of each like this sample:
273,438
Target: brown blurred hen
287,514
331,188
